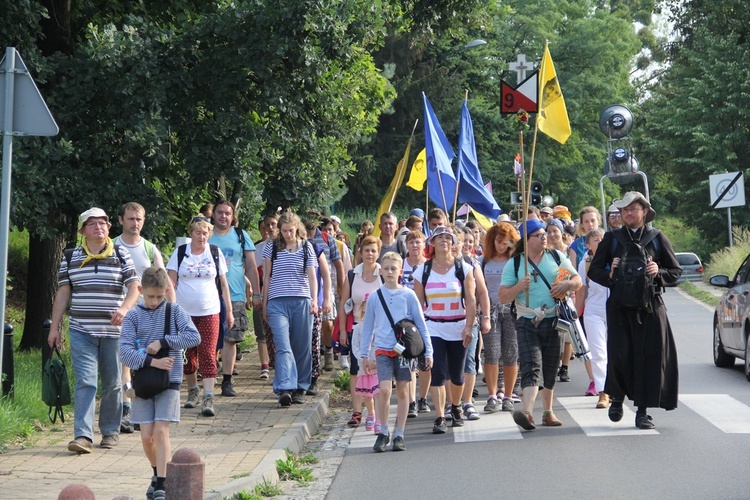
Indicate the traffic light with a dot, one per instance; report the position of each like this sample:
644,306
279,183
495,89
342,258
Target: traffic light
536,193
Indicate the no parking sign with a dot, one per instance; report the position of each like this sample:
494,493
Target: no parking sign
727,190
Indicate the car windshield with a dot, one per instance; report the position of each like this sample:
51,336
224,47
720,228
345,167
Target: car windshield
688,259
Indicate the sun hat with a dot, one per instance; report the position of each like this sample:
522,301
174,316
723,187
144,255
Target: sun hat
546,210
92,212
530,226
440,230
503,218
561,212
633,196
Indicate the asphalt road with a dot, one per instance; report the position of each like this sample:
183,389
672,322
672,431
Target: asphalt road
699,450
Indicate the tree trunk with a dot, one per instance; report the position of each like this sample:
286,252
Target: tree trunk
44,262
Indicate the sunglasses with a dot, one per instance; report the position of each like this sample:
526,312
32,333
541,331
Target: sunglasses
614,216
200,219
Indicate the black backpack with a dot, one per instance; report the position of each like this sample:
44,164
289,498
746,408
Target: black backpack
458,270
633,288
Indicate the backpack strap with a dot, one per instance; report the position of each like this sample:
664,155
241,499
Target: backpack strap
215,256
350,277
241,237
181,251
401,246
149,250
387,312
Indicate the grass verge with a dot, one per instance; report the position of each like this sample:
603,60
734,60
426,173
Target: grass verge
291,469
698,293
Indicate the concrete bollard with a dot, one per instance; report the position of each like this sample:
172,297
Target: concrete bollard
76,491
185,475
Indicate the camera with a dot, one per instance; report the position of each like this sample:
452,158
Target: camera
399,348
564,326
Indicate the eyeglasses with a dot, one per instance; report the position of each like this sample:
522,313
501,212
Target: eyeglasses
614,216
200,219
632,209
538,235
95,223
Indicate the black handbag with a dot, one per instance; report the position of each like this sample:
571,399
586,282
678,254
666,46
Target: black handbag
407,334
150,381
55,386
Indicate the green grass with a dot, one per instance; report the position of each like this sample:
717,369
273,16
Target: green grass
341,381
702,295
25,414
728,260
291,469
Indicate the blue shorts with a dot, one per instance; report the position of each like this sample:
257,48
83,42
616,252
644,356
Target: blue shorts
165,406
399,368
470,367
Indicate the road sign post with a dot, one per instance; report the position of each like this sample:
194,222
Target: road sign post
727,191
24,112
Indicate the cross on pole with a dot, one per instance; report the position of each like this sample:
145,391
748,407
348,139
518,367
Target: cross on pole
520,66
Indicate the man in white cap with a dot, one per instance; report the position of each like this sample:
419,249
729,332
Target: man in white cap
92,279
545,214
641,352
614,218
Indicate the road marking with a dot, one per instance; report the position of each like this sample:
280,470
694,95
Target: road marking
490,427
595,422
722,410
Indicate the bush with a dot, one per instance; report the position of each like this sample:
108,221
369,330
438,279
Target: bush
727,260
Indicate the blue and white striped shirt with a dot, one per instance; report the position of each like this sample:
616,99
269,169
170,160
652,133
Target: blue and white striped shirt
288,279
147,325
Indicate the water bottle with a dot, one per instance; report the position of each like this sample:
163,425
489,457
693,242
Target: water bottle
140,349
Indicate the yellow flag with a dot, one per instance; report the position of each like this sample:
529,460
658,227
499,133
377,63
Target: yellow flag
484,221
418,175
553,117
390,195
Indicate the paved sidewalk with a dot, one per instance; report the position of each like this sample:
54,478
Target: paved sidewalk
239,446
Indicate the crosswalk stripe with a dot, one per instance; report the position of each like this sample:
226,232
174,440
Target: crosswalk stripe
490,427
722,410
594,421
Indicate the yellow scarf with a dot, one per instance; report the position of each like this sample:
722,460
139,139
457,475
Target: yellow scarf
108,251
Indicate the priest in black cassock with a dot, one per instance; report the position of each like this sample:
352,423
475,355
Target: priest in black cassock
642,356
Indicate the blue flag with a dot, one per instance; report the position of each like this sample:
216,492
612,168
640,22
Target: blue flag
470,184
439,156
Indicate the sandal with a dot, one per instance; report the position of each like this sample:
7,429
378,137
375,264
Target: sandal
355,420
369,422
471,412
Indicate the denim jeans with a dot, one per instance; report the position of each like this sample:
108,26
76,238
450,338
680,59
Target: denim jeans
291,324
94,357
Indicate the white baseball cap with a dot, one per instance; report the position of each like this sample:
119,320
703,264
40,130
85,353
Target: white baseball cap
91,213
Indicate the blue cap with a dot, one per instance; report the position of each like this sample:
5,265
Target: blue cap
530,226
558,224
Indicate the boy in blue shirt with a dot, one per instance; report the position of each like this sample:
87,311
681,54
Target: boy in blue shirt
377,331
143,336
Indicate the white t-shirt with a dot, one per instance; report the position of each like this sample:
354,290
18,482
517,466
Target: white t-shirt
138,254
443,294
596,295
196,286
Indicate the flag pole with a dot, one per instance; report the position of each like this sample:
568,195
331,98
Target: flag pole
525,214
408,144
458,177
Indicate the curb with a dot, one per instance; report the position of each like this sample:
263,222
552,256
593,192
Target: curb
293,439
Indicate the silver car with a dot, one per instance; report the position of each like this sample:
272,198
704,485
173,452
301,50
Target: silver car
732,319
692,268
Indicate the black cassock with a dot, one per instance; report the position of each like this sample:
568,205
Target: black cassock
641,352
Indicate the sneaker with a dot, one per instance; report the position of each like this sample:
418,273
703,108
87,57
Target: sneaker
439,427
515,398
234,371
298,397
193,397
508,405
550,420
524,419
285,399
563,374
81,445
448,415
344,362
159,495
398,444
313,389
591,391
376,428
422,406
457,414
491,406
603,400
227,389
263,374
151,488
109,442
208,405
500,394
125,426
471,412
328,361
412,410
369,422
355,420
239,355
380,443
